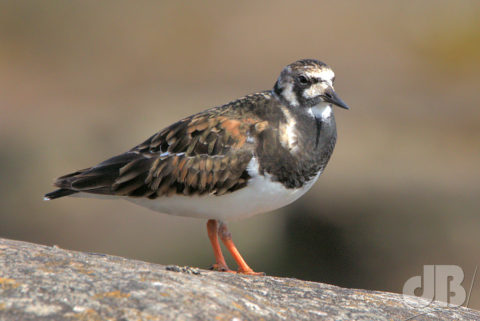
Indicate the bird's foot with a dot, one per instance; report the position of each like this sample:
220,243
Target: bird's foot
221,268
250,272
225,268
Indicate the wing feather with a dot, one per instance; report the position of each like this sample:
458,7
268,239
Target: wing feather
204,153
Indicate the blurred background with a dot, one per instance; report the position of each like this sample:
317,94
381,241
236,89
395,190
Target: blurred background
85,80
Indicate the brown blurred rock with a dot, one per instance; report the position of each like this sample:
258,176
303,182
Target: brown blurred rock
48,283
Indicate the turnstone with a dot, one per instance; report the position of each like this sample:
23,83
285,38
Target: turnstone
253,155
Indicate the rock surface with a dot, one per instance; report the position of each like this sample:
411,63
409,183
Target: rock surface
48,283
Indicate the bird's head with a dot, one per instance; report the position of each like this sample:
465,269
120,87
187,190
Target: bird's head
306,83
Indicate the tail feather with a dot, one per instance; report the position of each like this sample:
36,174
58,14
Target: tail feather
64,189
99,179
58,193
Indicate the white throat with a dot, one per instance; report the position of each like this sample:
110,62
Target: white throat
323,110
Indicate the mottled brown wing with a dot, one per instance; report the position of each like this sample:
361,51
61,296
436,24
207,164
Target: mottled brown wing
205,153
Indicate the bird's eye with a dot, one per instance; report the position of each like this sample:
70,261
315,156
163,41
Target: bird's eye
303,80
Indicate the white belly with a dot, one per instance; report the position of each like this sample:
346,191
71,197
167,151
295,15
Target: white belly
260,195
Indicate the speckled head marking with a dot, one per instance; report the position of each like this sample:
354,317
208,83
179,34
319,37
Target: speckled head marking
306,83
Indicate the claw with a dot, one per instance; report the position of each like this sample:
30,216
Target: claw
251,273
220,268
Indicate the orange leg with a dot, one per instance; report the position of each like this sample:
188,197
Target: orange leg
226,238
220,264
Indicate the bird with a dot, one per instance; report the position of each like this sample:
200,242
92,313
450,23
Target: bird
249,156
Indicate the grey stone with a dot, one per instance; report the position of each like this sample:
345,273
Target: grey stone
48,283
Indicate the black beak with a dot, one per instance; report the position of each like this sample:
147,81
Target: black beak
330,96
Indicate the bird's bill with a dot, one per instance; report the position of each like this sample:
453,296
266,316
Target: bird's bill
331,96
